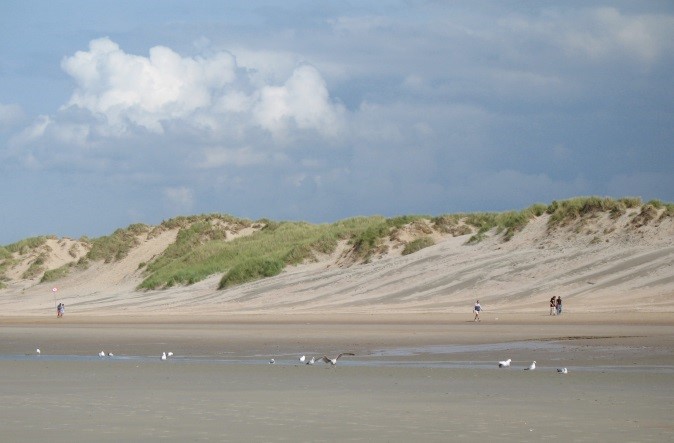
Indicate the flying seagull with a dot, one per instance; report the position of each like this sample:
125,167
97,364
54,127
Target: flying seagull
170,354
504,364
326,359
563,371
531,367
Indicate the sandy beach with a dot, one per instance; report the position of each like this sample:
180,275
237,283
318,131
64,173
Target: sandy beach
422,369
428,377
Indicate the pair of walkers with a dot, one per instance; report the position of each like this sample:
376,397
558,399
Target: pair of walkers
60,310
556,305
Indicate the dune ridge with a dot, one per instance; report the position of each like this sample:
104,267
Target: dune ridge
600,263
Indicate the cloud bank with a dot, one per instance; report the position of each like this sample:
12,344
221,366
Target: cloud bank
427,108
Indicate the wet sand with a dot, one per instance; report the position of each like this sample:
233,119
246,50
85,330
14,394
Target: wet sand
432,378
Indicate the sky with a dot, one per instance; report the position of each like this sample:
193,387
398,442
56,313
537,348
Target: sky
121,112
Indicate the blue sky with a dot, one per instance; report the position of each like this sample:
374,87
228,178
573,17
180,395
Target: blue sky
114,113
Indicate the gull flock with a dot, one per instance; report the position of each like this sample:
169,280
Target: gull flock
333,361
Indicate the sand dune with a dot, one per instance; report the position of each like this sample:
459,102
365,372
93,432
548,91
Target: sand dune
601,265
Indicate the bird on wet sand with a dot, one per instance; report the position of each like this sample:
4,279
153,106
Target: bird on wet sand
531,367
504,363
333,361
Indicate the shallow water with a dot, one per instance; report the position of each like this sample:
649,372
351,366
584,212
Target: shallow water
392,357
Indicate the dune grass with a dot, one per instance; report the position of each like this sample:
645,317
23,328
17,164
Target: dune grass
203,246
116,246
36,267
24,246
56,274
564,211
190,259
417,245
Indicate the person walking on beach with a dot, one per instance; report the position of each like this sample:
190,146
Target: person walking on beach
553,306
476,309
61,309
559,305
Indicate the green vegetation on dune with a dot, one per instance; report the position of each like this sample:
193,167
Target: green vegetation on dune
246,258
55,274
116,246
565,211
417,245
4,253
26,245
210,244
507,223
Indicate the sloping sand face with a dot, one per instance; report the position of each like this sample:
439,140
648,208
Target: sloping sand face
601,265
433,378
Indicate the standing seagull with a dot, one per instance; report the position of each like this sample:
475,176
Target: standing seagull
504,364
531,367
37,351
563,371
312,361
101,354
334,360
163,355
302,358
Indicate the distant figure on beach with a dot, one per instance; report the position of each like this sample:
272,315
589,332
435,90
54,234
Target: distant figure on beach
61,309
476,309
559,305
553,306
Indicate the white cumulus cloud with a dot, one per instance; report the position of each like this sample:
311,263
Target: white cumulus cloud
144,91
303,100
124,91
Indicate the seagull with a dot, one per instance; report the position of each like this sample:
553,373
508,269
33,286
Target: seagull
110,354
334,360
302,358
37,351
272,361
163,355
170,354
563,371
312,361
101,354
531,367
504,364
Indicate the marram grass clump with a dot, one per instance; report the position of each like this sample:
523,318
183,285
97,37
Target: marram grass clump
417,245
